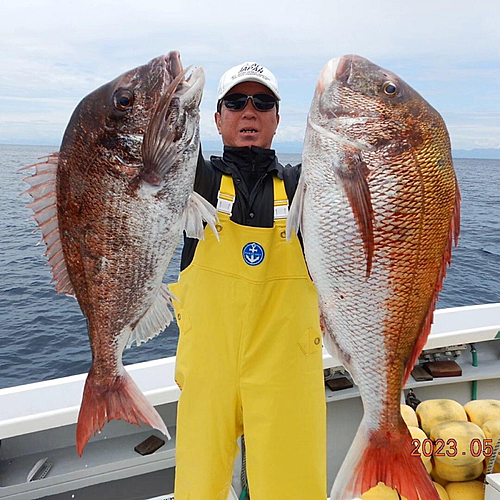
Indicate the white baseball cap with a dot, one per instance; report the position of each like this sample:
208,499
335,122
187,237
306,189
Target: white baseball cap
247,72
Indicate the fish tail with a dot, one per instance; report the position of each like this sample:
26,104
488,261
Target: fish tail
120,400
381,456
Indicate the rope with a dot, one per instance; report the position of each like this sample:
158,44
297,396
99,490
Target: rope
493,458
245,494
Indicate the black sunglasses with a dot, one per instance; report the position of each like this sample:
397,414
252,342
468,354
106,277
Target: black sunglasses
262,102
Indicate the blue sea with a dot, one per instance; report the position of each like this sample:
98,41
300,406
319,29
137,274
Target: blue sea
43,335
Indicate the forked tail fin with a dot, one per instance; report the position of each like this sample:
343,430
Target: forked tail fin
379,456
120,400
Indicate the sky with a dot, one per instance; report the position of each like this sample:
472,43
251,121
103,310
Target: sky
53,53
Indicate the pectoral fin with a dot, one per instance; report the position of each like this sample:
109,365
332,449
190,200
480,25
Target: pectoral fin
198,210
352,175
158,148
294,219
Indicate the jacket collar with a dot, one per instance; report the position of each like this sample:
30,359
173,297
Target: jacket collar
235,158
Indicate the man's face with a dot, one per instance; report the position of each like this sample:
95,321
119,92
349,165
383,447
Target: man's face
247,127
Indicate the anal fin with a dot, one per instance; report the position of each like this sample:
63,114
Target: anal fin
155,320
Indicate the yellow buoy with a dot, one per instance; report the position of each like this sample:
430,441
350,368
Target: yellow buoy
472,490
482,410
458,443
441,491
436,478
381,492
491,430
435,411
425,448
409,416
457,473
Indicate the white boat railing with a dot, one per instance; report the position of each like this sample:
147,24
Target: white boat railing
54,403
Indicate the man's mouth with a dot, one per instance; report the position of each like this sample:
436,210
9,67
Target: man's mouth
248,131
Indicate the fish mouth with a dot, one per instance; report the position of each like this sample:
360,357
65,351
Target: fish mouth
190,90
328,73
335,74
340,68
173,63
343,68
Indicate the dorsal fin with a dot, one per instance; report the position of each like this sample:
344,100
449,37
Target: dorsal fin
453,234
44,206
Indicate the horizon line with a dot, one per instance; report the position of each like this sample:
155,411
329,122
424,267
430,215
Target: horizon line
285,144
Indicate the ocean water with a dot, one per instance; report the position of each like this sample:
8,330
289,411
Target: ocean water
43,335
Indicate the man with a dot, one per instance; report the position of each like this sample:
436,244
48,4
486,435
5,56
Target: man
249,358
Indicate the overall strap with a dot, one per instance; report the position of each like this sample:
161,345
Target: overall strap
280,199
226,196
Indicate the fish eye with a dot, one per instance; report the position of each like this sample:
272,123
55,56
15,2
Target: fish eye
123,99
390,89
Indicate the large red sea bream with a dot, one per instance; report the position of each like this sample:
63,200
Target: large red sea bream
112,204
378,207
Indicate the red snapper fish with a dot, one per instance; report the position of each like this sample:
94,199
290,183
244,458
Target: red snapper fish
378,207
111,205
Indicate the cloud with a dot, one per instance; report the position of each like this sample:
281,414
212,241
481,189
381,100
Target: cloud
62,50
48,100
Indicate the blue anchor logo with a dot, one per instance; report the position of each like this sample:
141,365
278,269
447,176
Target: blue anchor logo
253,254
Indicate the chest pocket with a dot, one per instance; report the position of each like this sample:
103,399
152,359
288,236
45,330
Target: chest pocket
183,321
310,341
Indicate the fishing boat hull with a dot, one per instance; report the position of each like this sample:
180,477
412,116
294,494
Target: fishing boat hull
38,421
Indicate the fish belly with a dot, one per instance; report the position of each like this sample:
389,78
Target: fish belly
352,308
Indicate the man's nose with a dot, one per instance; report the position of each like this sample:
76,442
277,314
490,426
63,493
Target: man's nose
249,109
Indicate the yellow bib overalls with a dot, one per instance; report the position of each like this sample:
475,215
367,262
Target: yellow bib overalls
249,360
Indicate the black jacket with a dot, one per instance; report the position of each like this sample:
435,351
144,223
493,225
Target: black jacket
252,169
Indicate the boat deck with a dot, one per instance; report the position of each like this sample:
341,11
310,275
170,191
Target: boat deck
38,420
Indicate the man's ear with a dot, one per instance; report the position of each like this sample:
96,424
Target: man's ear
277,123
217,121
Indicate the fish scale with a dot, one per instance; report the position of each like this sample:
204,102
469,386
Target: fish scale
123,185
377,204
